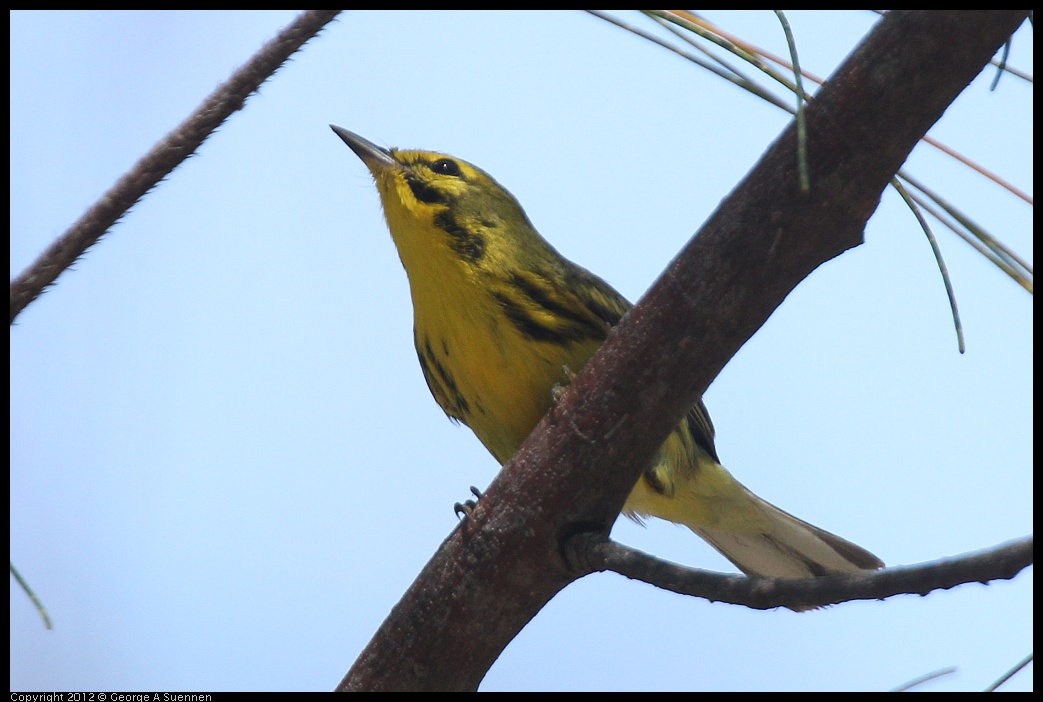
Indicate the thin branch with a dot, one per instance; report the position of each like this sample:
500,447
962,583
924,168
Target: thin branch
594,553
1003,64
896,183
926,677
1010,673
687,26
731,75
711,33
982,170
802,130
753,53
968,230
32,596
164,157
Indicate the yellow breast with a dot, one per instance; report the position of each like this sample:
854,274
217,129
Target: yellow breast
481,369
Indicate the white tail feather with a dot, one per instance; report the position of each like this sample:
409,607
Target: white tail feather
788,548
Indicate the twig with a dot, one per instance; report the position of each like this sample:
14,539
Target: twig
164,157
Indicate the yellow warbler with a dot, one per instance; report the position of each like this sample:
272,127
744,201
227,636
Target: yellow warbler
501,318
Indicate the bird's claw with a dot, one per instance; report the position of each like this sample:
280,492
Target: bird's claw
466,507
559,389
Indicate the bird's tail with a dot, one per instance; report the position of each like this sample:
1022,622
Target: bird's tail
784,546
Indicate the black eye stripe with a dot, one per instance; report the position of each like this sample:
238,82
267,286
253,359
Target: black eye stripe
446,166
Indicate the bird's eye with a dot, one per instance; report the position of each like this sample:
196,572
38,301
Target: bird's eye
446,166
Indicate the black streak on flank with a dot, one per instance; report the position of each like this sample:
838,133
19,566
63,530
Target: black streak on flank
442,384
540,295
467,244
610,314
569,324
530,327
605,314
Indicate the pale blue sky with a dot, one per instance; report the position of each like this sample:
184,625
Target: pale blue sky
226,467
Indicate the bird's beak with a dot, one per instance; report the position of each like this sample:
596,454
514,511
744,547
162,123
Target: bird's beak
375,158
